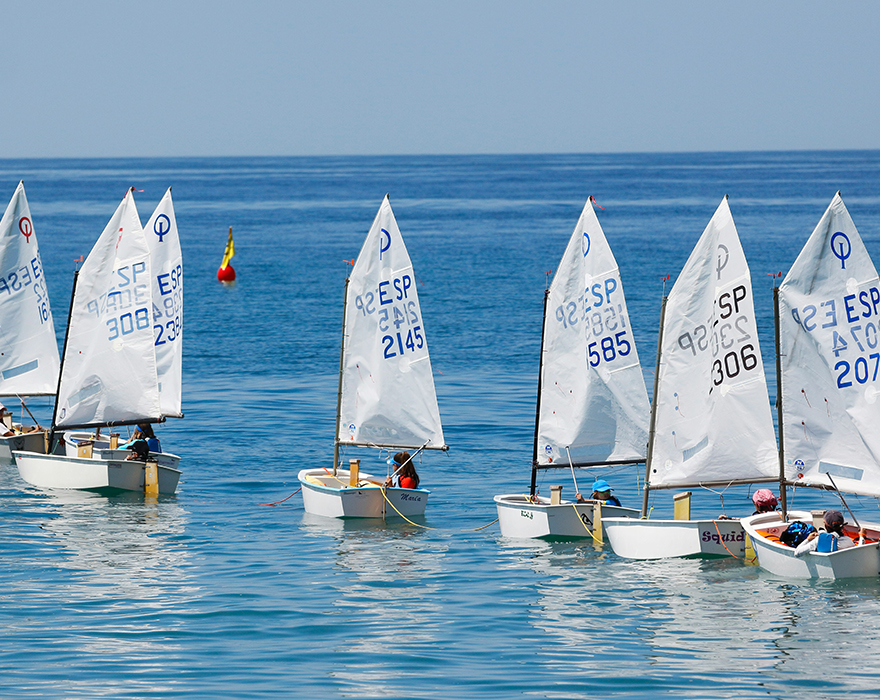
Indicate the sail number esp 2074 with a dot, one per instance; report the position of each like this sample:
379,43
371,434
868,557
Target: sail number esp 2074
844,327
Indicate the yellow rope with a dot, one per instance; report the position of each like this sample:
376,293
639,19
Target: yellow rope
402,515
580,520
477,529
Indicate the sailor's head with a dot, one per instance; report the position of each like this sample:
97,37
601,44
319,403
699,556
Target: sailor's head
602,487
764,500
834,521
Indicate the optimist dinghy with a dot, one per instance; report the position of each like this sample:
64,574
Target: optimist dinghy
710,420
828,355
28,349
592,406
121,359
386,396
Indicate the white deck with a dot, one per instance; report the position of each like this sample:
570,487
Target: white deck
661,539
334,497
519,517
779,559
98,473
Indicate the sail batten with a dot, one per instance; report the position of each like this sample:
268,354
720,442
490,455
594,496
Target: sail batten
713,422
593,400
387,392
29,360
829,316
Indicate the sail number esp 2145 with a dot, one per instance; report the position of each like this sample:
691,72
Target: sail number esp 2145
396,314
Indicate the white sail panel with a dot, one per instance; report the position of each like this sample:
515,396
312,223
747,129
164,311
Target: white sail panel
167,273
593,398
388,395
28,348
713,419
830,341
109,373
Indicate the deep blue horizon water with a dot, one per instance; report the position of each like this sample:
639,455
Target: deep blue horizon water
210,594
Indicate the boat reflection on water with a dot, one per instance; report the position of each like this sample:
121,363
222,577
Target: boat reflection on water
121,545
694,620
386,575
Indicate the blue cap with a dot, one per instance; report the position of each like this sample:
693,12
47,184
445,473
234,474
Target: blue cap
601,485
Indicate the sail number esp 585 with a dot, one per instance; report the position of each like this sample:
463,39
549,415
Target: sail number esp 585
601,318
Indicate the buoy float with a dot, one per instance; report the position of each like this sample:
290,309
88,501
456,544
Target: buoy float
226,273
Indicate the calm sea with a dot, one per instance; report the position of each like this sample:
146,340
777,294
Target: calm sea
211,594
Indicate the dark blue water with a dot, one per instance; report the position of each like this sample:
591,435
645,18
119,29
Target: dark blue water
210,594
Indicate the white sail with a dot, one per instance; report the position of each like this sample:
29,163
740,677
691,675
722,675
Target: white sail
388,393
830,343
28,348
713,419
167,316
109,373
593,398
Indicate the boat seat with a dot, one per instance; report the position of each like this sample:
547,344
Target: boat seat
767,535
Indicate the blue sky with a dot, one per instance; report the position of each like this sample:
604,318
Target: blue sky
104,79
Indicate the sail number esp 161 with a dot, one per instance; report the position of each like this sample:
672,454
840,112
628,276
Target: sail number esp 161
26,276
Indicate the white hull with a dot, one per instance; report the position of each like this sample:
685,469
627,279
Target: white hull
517,517
29,442
779,559
660,539
332,497
97,473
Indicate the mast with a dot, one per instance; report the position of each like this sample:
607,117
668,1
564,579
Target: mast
782,497
341,370
538,401
63,357
651,429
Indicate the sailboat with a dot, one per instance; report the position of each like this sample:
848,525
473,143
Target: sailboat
386,398
592,405
828,338
710,419
28,349
110,370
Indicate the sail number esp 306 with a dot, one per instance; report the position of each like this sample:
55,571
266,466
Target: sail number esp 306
728,332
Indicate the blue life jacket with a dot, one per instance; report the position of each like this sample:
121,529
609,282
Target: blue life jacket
827,542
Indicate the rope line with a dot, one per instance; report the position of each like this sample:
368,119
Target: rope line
283,499
581,520
477,529
384,495
721,539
